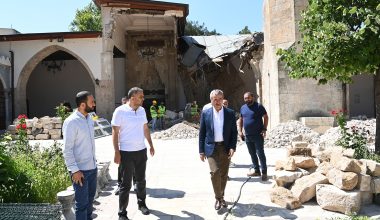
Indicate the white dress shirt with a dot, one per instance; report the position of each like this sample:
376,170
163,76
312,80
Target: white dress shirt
218,124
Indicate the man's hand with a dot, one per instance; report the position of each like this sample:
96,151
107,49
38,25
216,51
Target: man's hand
152,151
242,136
77,178
202,156
117,157
231,153
263,133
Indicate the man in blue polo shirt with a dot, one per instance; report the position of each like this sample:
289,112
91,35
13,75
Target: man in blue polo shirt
251,119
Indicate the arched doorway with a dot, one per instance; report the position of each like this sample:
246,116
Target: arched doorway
2,106
56,79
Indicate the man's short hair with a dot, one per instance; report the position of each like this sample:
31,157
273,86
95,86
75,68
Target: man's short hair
134,91
252,94
216,92
81,97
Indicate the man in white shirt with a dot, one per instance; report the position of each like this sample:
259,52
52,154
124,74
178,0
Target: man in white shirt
217,143
129,128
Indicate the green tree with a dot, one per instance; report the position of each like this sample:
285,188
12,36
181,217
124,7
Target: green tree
340,39
193,28
87,19
245,30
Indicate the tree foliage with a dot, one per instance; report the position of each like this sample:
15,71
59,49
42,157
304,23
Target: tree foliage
87,19
340,39
245,30
193,28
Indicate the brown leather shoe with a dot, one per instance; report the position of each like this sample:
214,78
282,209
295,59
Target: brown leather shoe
254,174
218,204
223,202
264,177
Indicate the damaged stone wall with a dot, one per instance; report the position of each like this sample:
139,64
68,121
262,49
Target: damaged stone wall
222,73
152,65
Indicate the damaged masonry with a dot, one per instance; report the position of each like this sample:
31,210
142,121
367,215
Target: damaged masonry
230,63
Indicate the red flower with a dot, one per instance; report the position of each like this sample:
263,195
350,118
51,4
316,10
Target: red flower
23,126
18,126
22,116
333,112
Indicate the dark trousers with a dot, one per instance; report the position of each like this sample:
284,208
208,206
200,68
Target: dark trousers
119,177
219,165
84,195
132,162
255,144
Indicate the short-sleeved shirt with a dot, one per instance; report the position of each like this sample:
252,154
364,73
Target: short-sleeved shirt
253,118
131,123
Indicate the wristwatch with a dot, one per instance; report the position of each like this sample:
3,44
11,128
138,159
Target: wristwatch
264,129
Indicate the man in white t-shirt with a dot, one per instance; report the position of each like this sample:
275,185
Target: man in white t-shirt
129,129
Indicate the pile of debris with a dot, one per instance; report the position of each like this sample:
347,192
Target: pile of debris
40,128
339,182
283,134
366,127
181,130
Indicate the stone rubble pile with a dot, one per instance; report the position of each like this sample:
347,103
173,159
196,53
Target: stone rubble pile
283,134
367,126
178,131
44,128
339,182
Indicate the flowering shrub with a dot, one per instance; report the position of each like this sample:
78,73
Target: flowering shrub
62,111
21,128
353,137
30,174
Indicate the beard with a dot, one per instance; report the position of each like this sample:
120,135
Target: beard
88,108
249,102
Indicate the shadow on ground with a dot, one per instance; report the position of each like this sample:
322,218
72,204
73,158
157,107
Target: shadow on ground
162,215
253,179
165,193
259,210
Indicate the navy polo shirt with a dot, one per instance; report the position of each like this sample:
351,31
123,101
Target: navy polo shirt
253,118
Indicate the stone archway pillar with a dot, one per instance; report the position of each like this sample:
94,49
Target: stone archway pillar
105,91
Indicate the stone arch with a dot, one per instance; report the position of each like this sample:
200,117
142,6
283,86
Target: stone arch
20,90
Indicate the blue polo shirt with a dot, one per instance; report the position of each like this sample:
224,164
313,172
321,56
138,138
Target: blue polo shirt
253,118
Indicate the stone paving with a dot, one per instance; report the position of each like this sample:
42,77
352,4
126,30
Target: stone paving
179,187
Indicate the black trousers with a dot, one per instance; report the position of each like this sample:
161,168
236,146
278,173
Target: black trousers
132,163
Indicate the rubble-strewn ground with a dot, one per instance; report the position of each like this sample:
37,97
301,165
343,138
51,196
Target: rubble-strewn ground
283,134
181,130
367,127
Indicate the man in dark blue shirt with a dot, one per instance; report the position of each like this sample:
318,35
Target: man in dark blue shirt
251,119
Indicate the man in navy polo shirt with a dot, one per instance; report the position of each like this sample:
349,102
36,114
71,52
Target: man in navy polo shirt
251,119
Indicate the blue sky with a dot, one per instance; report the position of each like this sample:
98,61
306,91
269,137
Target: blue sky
40,16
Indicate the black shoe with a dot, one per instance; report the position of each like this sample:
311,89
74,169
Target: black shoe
117,191
218,204
142,207
223,202
264,177
123,217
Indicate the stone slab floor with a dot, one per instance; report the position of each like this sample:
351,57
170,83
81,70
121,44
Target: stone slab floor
179,187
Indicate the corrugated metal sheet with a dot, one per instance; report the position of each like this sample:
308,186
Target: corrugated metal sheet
217,45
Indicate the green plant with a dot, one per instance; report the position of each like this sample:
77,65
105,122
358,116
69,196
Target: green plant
353,138
22,140
61,111
36,175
